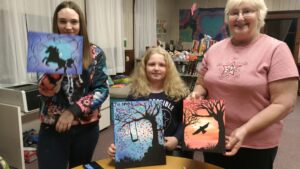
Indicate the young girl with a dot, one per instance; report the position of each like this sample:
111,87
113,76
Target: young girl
156,78
69,117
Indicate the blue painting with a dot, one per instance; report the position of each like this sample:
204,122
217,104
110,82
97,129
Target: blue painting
204,21
54,53
138,134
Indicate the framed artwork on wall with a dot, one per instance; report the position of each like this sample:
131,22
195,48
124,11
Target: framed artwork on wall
204,21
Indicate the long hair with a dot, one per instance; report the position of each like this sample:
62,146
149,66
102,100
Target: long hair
259,5
83,29
173,85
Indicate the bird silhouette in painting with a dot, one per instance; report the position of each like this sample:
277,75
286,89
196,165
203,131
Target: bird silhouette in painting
201,129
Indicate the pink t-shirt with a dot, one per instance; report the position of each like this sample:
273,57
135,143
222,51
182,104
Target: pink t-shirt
240,76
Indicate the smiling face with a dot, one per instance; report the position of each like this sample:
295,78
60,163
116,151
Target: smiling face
243,23
68,21
156,69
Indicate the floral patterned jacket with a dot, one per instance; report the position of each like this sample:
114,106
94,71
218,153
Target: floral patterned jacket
81,94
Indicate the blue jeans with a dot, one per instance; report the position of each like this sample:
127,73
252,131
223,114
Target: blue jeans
69,149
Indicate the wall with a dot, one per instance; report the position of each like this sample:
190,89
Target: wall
128,23
36,10
283,5
127,16
186,4
166,10
169,10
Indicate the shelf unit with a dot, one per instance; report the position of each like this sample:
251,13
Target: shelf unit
188,71
13,122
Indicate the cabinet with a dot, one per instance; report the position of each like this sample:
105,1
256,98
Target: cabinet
11,143
104,121
13,123
129,61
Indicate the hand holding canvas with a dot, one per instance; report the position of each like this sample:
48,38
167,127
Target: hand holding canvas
234,141
171,143
111,151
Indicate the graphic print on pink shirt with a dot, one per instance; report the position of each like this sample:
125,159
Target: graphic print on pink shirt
230,70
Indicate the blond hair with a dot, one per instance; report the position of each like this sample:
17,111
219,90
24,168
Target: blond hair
173,85
259,5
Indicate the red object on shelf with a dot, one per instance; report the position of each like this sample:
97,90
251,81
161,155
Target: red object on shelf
30,155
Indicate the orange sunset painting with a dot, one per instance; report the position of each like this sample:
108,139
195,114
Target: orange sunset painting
204,125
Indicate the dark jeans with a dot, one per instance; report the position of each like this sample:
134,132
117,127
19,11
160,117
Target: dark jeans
178,152
60,150
245,158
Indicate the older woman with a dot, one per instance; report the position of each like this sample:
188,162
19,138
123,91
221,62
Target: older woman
257,77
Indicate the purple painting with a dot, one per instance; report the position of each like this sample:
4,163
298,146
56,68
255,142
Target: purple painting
54,53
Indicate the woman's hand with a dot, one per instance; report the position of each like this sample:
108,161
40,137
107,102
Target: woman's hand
64,122
234,141
111,151
199,91
171,143
195,95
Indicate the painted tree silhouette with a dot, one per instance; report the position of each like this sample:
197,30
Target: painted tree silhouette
147,112
214,108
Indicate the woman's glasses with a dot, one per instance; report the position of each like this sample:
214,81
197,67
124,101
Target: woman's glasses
243,12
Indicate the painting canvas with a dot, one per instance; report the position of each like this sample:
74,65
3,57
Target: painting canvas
138,134
54,53
204,21
204,125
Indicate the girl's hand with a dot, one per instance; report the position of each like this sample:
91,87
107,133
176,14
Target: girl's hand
64,122
111,151
171,143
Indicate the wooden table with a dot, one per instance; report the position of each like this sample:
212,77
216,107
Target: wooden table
171,163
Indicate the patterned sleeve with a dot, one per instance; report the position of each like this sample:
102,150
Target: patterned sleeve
98,86
48,84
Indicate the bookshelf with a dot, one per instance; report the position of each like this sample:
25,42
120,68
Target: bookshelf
188,64
188,71
187,68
